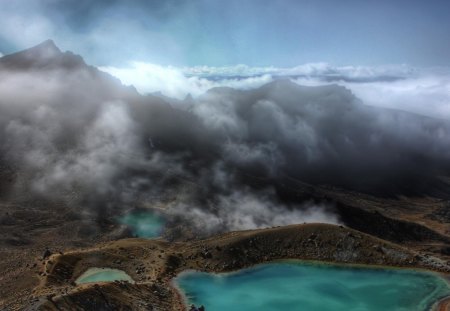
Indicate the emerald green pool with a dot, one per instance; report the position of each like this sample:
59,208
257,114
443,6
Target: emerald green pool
144,224
307,286
93,275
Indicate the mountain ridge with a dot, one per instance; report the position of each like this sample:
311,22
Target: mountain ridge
43,56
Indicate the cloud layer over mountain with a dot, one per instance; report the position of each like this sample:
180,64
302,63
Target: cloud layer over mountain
419,90
227,159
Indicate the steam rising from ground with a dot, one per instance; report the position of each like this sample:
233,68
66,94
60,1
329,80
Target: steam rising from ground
227,159
245,210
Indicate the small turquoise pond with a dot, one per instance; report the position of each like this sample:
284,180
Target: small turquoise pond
144,224
93,275
307,286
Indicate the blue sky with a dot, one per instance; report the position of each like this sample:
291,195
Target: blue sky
220,33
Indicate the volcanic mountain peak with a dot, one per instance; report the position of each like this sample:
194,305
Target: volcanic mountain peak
45,55
47,48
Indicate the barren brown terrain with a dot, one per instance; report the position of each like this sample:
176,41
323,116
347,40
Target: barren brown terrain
153,263
400,232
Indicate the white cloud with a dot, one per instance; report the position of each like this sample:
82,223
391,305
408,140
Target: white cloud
427,95
172,82
320,70
1,54
422,91
149,78
425,92
228,71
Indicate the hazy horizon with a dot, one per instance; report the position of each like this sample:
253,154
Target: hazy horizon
282,33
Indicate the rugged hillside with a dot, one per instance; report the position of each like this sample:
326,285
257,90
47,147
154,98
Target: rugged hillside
153,263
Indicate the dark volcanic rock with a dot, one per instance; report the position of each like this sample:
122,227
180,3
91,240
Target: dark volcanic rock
387,228
47,253
44,56
442,214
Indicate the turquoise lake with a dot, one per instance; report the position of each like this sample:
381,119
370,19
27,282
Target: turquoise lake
144,224
93,275
310,286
